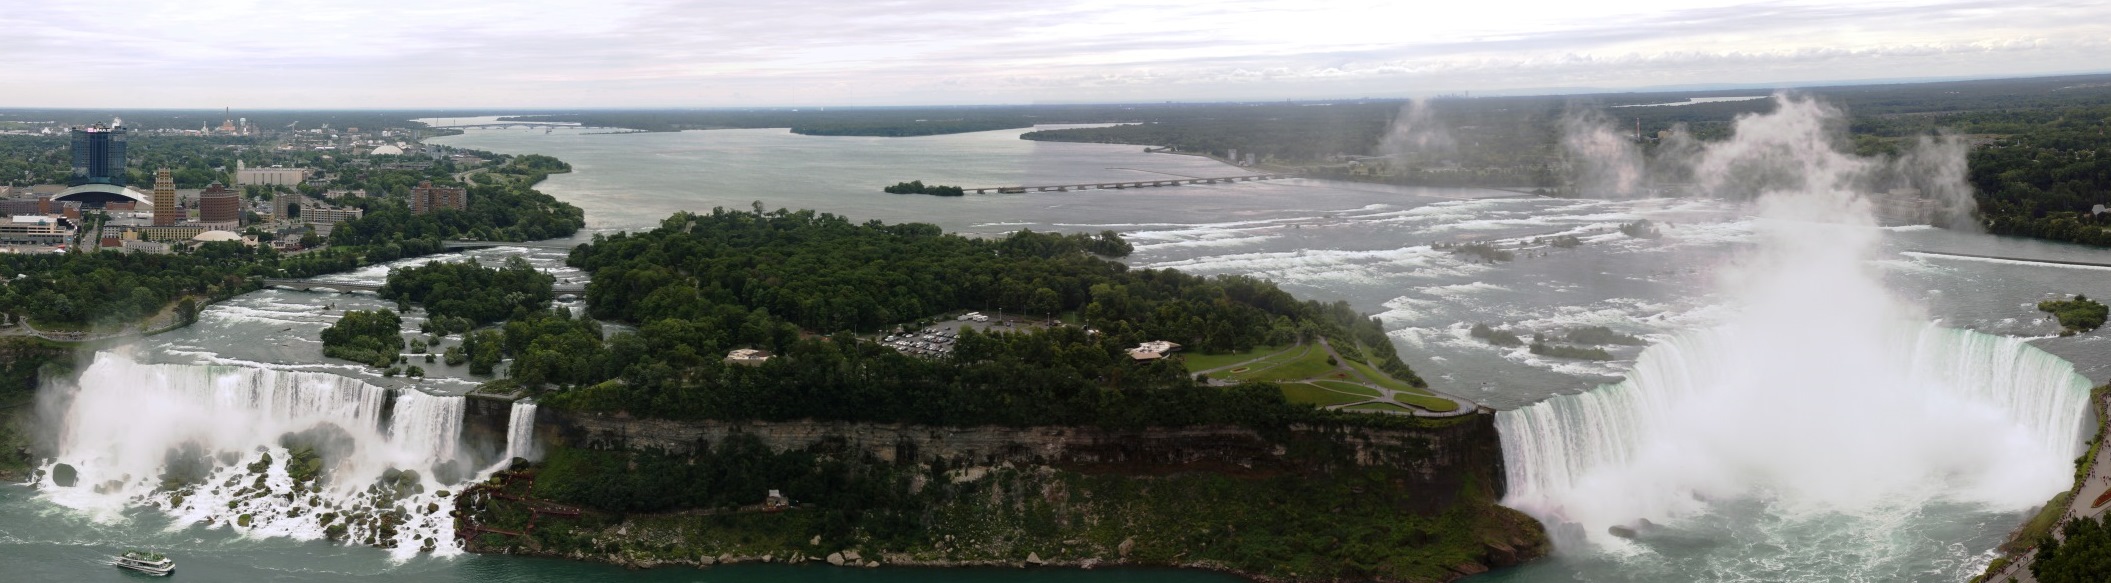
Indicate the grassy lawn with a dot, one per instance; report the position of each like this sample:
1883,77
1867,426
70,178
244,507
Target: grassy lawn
1310,362
1434,404
1385,380
1309,393
1349,387
1383,407
1198,362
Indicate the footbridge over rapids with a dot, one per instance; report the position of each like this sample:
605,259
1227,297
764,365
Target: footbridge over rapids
349,287
1125,184
465,245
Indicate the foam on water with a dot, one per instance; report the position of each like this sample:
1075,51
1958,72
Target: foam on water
1824,429
192,441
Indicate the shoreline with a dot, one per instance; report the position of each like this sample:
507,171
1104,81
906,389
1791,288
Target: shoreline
2075,502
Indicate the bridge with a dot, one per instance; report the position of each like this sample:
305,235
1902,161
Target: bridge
522,125
1124,184
464,245
349,287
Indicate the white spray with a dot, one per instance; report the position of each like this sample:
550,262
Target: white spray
1825,396
520,432
193,440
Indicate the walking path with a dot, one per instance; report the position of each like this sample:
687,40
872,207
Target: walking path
1465,407
2094,484
1349,374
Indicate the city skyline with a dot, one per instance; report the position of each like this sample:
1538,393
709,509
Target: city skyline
639,53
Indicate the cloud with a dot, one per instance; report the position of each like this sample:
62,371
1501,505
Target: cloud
826,52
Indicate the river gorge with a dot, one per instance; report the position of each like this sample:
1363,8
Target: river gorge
1843,332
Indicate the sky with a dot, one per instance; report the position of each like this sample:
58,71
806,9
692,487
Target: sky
645,53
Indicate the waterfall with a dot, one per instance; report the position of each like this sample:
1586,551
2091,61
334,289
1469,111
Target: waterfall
1941,416
520,432
267,452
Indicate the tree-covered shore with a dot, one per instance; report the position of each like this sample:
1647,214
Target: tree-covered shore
814,289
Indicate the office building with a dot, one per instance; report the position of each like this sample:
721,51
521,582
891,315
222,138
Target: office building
165,210
219,205
99,155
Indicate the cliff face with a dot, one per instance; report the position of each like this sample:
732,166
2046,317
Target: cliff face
1447,458
1302,504
23,360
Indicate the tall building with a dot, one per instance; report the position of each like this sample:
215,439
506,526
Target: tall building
219,205
99,155
425,198
165,211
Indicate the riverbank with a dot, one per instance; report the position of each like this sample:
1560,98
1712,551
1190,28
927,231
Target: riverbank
2091,481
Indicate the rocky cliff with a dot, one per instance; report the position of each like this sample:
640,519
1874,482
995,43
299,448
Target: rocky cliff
1413,501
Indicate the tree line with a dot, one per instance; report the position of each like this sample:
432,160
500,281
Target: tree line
805,285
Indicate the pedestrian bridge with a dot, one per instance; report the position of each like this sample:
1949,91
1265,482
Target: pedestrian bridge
349,287
464,245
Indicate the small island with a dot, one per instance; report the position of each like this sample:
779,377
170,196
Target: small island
918,187
2076,316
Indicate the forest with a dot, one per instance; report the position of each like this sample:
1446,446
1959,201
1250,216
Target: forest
2084,557
459,296
372,337
918,187
804,286
500,210
2046,175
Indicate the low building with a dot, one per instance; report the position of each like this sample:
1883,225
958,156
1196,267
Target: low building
33,230
324,218
139,246
426,198
747,356
1153,350
246,176
165,233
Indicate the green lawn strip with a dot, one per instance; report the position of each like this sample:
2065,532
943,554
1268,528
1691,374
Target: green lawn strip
1349,387
1198,362
1385,380
1312,363
1379,406
1309,393
1434,404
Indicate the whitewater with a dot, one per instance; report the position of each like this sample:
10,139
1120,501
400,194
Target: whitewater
1825,429
269,452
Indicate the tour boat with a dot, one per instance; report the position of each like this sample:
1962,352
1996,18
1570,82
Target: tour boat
145,562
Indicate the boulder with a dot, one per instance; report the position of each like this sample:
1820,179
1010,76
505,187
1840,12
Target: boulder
852,556
1126,545
835,559
1035,559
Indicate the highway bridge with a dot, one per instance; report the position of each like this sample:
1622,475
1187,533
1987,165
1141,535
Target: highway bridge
349,287
1124,184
